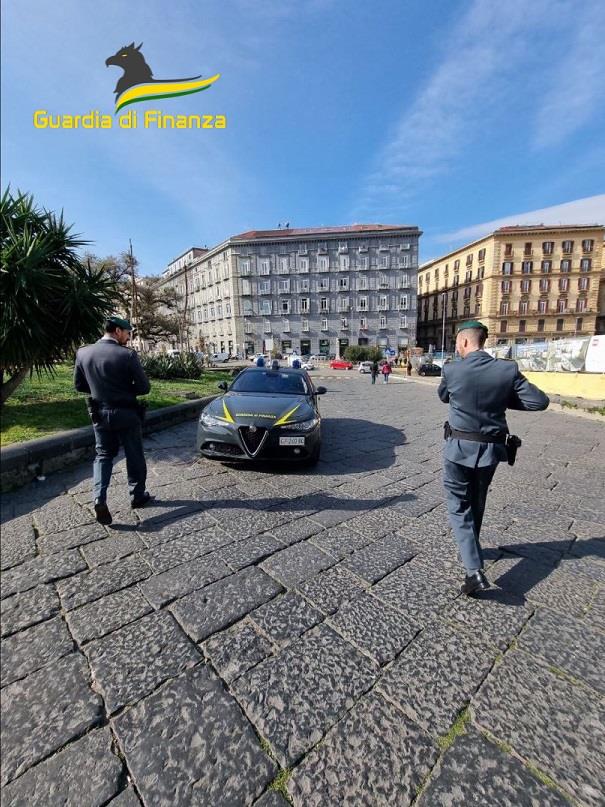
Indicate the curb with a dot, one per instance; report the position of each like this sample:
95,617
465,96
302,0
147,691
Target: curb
23,462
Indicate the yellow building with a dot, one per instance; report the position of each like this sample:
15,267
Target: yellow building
526,283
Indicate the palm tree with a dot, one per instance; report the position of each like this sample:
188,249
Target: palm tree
52,300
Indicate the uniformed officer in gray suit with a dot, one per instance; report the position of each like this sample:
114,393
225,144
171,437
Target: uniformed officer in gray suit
479,390
113,376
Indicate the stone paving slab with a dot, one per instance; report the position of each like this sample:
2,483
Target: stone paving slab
103,616
475,771
329,590
219,605
294,531
381,557
163,588
340,541
85,773
154,534
286,617
40,570
127,798
18,541
61,513
235,650
133,660
89,586
116,546
22,610
240,554
568,644
44,711
385,769
520,704
375,628
295,697
71,538
436,676
176,551
297,563
189,743
496,615
272,799
27,651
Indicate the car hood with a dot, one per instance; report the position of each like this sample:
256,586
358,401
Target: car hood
243,409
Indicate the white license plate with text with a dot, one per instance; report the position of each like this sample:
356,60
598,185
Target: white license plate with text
291,441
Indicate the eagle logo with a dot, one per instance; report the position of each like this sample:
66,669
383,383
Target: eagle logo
138,84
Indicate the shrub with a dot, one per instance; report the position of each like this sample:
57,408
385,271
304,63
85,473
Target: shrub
362,353
185,365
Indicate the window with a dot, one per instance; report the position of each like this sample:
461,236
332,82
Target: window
527,267
540,326
505,286
581,304
363,323
324,324
305,305
548,247
264,287
265,267
363,262
479,290
248,327
267,326
587,245
383,282
456,265
283,287
523,307
504,307
342,246
383,303
567,247
383,321
362,283
522,324
343,262
559,326
527,250
403,321
503,326
404,281
284,266
525,286
362,303
544,284
344,324
583,283
303,265
244,267
403,302
324,304
343,303
323,263
468,276
286,325
246,288
542,306
305,325
579,323
265,307
304,285
507,268
248,310
561,305
469,259
477,308
343,284
383,261
563,283
481,255
404,261
323,284
508,250
566,265
585,264
546,267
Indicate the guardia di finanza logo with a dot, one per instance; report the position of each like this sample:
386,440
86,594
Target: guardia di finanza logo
138,84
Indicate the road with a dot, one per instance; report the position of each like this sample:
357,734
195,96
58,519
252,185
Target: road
261,635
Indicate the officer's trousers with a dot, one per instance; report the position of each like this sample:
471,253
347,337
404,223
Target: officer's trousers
466,492
119,426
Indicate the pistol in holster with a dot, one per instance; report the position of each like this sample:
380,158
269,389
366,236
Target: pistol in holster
93,410
447,430
512,443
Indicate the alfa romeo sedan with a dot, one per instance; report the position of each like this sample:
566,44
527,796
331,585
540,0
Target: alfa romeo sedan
264,414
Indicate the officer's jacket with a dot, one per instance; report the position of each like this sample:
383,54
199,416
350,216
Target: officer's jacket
479,390
110,372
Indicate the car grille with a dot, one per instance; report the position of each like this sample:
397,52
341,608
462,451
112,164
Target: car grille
252,438
223,448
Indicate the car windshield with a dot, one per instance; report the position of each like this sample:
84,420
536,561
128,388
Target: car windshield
272,382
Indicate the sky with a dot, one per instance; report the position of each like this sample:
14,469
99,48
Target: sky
454,116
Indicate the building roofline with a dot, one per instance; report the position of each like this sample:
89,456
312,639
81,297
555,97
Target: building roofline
182,255
254,236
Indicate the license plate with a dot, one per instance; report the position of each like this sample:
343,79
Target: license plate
291,441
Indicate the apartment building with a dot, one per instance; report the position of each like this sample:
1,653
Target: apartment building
313,291
526,283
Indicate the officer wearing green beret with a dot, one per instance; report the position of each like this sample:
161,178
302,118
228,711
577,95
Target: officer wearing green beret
113,376
479,390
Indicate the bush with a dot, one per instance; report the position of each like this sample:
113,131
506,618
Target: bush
361,353
185,365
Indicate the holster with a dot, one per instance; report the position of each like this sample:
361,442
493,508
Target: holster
447,430
93,410
142,410
512,444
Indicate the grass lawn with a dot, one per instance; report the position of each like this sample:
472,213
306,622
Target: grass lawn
41,406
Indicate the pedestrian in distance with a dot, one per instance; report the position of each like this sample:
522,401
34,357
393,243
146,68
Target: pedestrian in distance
386,372
479,389
374,371
112,375
408,368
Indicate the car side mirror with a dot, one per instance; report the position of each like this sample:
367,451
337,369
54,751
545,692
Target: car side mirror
223,385
321,391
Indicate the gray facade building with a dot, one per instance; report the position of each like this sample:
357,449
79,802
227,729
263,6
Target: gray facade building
311,291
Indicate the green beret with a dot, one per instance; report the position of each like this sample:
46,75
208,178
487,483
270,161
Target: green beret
120,323
472,323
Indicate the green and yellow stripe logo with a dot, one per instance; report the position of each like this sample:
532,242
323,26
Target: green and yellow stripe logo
162,89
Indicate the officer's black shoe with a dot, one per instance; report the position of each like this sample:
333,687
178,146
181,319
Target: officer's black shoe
142,500
475,582
102,512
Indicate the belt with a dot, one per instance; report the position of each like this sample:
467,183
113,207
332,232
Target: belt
477,437
118,404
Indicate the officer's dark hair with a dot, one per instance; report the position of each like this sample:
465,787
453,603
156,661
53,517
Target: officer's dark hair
477,335
110,327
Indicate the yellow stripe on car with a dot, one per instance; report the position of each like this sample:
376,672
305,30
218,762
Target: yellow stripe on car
227,418
285,418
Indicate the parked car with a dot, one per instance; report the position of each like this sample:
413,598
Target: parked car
365,367
429,369
341,364
219,358
308,365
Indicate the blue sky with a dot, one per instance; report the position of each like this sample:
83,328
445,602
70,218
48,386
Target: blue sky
455,116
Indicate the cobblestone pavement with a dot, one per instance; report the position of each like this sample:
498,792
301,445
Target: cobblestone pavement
260,636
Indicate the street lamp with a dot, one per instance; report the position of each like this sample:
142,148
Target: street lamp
444,305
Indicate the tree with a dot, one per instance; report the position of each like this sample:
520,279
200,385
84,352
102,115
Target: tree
156,321
53,301
120,269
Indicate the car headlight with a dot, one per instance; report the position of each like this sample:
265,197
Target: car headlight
302,425
208,420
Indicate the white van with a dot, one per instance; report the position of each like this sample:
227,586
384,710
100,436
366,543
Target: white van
219,358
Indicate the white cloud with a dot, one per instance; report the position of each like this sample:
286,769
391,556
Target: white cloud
590,210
